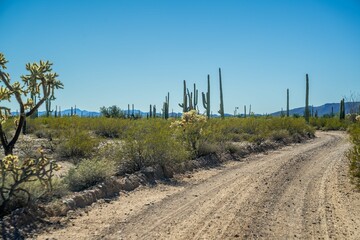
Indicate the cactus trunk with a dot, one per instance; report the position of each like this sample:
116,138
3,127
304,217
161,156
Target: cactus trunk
221,111
287,103
342,109
206,98
307,109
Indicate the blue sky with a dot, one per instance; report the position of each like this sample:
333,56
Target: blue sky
135,51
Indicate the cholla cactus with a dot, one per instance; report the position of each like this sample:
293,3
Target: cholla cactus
40,82
190,129
358,118
22,171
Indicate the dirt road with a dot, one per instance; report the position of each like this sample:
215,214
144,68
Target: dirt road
301,191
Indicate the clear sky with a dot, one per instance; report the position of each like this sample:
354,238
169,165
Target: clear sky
135,51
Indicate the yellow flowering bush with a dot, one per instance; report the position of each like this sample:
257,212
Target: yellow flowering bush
15,172
358,118
190,128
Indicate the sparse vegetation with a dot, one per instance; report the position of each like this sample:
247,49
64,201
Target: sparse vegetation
88,173
354,154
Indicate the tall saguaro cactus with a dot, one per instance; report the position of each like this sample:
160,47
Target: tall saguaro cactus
221,111
287,103
342,109
307,109
184,104
206,98
166,106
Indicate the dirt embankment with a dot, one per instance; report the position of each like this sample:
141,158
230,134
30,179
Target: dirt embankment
301,191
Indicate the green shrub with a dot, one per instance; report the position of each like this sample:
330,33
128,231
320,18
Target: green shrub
77,144
109,127
89,172
148,143
207,148
354,155
281,135
328,124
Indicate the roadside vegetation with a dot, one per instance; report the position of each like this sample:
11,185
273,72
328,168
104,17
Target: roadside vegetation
354,153
99,148
95,149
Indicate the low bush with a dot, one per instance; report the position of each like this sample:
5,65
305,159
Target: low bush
109,127
281,135
329,124
89,172
76,144
148,143
354,154
208,148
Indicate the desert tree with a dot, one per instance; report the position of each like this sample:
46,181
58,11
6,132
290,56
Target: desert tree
40,81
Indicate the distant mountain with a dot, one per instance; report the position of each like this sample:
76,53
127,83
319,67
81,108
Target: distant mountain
322,110
67,112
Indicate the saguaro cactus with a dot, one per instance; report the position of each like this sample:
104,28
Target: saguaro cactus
166,106
184,104
307,109
287,103
342,109
221,111
48,107
206,98
195,98
190,99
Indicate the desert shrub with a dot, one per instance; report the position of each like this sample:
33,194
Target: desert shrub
207,148
256,130
89,172
76,144
109,127
148,143
354,155
328,124
281,135
237,150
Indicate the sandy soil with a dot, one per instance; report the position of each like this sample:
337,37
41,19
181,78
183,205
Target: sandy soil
301,191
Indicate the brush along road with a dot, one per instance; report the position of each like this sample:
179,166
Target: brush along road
301,191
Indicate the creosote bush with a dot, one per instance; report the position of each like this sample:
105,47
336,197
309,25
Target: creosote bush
149,143
88,173
327,123
77,144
